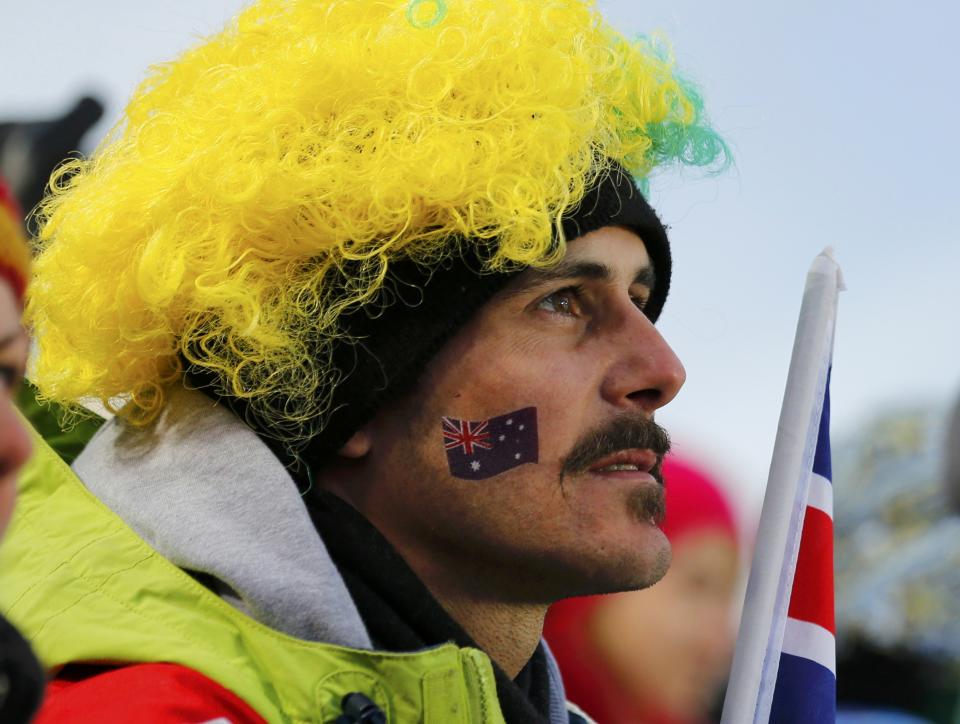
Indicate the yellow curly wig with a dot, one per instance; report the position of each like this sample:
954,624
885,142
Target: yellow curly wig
312,136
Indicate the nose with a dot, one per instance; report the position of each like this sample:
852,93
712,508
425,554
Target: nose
646,373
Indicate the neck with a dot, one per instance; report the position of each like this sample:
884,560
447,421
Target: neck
508,632
503,625
480,597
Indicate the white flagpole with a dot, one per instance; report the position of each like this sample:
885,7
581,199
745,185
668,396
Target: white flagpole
755,661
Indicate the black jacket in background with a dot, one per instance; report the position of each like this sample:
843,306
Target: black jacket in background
21,678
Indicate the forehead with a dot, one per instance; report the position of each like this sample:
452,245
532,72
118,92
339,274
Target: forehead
619,248
611,254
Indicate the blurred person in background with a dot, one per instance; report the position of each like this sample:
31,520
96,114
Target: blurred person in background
659,656
30,150
21,678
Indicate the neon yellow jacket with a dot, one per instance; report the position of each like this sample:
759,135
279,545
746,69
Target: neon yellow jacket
82,586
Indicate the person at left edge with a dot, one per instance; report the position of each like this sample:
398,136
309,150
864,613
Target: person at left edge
21,678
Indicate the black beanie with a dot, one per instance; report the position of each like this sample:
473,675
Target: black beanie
429,306
387,344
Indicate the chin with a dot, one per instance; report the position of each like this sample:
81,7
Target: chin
654,569
620,536
611,570
646,560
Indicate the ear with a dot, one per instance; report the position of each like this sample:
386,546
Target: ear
357,446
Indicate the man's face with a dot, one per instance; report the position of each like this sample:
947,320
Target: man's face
573,343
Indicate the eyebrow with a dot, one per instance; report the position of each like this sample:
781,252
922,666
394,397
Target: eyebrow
581,270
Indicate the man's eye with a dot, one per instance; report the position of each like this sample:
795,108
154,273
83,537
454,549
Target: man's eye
639,302
563,302
10,377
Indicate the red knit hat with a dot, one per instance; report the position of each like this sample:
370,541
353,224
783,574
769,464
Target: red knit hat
694,502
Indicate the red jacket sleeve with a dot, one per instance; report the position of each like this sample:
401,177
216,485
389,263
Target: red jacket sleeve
156,693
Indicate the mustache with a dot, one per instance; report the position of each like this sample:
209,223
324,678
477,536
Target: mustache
620,433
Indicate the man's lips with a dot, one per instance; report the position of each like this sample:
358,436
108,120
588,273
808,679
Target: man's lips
633,460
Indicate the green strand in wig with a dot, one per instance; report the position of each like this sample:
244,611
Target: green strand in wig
312,136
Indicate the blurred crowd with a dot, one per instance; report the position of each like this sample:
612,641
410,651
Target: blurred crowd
898,564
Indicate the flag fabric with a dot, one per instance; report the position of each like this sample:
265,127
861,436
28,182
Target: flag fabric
784,669
806,688
482,449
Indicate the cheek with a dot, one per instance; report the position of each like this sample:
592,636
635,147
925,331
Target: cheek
492,367
15,448
471,384
492,389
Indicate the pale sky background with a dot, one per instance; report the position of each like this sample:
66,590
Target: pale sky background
842,117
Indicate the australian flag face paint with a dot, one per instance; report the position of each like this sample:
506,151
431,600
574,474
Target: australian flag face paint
478,450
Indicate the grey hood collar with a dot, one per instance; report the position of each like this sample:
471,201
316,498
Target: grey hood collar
203,490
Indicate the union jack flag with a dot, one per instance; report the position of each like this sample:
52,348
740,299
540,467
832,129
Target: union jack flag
806,683
465,434
784,667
